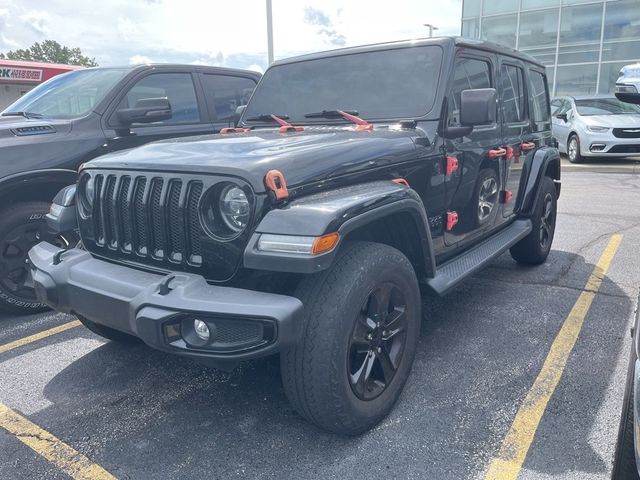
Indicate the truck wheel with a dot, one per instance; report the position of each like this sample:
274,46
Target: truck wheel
624,460
22,226
361,330
534,248
573,149
109,333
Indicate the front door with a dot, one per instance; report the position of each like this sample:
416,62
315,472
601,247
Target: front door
472,190
189,116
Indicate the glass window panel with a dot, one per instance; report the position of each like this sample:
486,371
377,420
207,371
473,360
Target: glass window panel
538,29
470,28
622,20
621,51
225,93
539,101
512,94
470,8
580,29
609,73
576,80
527,4
491,7
501,29
545,55
575,2
469,73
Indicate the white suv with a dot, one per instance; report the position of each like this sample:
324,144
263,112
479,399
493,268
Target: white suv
628,85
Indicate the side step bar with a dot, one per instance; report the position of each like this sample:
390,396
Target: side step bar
453,272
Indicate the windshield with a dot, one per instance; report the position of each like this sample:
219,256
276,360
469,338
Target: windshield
605,106
70,95
388,84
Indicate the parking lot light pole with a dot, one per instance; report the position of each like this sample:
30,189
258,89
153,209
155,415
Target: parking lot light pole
431,29
269,33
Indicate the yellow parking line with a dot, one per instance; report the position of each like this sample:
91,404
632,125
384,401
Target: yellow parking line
513,451
38,336
70,461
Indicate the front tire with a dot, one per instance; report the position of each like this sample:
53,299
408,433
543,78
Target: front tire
535,247
573,149
361,330
22,226
624,460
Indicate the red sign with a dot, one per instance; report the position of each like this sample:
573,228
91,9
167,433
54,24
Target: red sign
20,74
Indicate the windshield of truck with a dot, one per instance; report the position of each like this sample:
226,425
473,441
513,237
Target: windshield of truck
605,106
386,84
70,95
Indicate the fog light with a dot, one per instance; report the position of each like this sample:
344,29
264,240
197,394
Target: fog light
201,329
597,147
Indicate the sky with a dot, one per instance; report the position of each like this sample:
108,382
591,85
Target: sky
217,32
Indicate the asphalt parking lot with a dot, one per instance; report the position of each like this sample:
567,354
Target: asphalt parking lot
137,413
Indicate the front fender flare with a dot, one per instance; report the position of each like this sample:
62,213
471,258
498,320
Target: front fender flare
342,210
32,185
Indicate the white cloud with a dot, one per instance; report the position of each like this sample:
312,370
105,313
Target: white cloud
37,21
139,59
255,68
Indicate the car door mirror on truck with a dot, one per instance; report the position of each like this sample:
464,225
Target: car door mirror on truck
478,107
146,110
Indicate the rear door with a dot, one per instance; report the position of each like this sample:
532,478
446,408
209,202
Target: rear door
516,129
477,181
223,94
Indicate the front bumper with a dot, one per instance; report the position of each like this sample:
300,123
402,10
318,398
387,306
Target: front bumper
159,308
607,145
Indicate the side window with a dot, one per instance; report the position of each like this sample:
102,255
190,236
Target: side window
469,73
226,93
538,93
177,87
555,106
513,99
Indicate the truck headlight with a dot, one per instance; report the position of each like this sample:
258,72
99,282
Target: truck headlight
234,208
597,129
86,194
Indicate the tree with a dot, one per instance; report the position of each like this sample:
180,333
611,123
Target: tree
51,51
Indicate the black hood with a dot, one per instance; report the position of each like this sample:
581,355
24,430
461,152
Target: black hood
14,128
317,154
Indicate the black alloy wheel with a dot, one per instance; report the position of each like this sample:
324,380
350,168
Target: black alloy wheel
377,342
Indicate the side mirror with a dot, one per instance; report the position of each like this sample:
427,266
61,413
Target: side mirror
562,116
147,110
478,107
236,116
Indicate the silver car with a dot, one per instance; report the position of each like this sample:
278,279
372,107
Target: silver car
601,126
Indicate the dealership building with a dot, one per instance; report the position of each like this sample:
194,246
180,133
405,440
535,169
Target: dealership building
583,43
18,77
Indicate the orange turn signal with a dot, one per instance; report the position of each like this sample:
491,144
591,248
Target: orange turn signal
325,243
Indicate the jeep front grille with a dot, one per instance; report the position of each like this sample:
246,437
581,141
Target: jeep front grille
148,216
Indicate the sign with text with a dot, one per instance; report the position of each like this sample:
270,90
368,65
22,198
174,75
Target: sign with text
20,74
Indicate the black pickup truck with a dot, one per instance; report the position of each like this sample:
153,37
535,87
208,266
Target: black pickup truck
354,178
72,118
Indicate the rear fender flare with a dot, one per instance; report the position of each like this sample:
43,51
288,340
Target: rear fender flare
542,162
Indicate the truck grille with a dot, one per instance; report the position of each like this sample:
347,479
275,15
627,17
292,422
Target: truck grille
148,216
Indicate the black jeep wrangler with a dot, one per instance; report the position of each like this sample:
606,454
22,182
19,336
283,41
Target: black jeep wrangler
353,178
72,118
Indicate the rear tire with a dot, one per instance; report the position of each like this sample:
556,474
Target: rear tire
22,226
343,375
109,333
535,247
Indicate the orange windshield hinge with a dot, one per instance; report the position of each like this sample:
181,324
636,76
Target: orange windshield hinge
361,125
227,130
285,126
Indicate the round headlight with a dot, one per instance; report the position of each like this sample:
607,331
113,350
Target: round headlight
234,208
86,194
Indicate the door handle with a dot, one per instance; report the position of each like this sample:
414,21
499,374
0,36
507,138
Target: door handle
497,152
527,146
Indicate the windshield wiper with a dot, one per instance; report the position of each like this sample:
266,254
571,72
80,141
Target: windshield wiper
266,117
351,116
22,114
331,114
